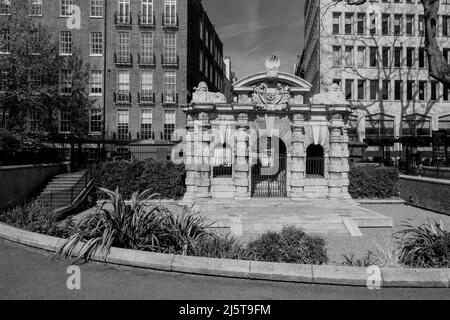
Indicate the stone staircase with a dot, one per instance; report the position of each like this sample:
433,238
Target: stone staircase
63,189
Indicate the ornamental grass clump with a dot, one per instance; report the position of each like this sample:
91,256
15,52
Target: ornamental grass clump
425,246
139,225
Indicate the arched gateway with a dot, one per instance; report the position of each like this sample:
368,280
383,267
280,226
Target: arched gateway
268,142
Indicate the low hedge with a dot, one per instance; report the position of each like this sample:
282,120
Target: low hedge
162,177
374,182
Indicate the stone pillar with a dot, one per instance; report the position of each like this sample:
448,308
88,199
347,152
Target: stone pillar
335,168
202,140
298,158
189,161
345,164
242,164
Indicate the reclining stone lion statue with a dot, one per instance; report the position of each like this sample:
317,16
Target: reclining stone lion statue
202,95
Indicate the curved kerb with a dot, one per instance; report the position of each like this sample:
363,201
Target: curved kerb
314,274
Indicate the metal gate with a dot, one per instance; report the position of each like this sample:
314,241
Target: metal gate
269,179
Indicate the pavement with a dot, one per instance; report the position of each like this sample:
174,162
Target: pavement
29,274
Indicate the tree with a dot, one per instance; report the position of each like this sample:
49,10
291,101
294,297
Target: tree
36,79
438,67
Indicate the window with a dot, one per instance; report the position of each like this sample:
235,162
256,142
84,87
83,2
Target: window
361,57
123,82
4,81
66,82
170,48
422,90
315,162
5,7
35,80
380,125
169,124
96,43
170,12
124,12
35,7
336,56
444,123
123,120
397,24
65,43
96,8
348,58
5,41
147,11
434,91
95,121
373,56
348,23
147,47
96,82
34,121
416,125
349,89
374,88
66,8
386,53
361,23
336,22
146,124
385,24
398,90
4,117
361,89
64,122
410,25
146,81
397,57
123,44
170,86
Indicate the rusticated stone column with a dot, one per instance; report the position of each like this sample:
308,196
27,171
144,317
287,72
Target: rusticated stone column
189,160
345,164
335,167
202,140
298,167
242,165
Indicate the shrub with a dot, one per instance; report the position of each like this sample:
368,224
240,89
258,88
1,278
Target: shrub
216,246
426,246
35,217
162,177
291,245
374,182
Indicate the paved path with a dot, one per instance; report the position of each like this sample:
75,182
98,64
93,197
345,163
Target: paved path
29,274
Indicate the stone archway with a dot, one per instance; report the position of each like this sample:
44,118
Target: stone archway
269,171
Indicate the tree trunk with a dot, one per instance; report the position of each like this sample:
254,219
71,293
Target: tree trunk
437,65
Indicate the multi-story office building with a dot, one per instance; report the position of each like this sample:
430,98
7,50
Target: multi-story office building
146,56
375,53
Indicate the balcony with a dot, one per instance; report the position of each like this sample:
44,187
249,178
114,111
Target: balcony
146,21
122,98
170,62
146,98
123,60
147,61
122,135
170,22
169,98
123,20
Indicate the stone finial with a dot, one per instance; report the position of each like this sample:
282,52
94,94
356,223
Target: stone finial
272,65
202,95
333,96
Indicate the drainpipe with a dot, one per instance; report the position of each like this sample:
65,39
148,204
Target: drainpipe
105,71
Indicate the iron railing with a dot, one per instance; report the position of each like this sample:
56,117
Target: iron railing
170,21
123,20
315,168
146,97
122,97
123,60
437,170
146,20
147,61
268,178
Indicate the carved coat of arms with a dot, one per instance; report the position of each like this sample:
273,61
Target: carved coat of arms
272,97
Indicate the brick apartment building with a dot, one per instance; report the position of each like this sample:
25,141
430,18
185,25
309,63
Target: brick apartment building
146,56
375,52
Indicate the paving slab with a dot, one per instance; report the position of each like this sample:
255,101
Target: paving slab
246,219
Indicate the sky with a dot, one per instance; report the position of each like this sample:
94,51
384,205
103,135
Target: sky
253,29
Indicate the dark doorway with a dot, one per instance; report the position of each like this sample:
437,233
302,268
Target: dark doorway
269,173
315,162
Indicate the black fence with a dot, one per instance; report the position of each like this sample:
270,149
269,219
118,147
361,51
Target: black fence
432,170
14,158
